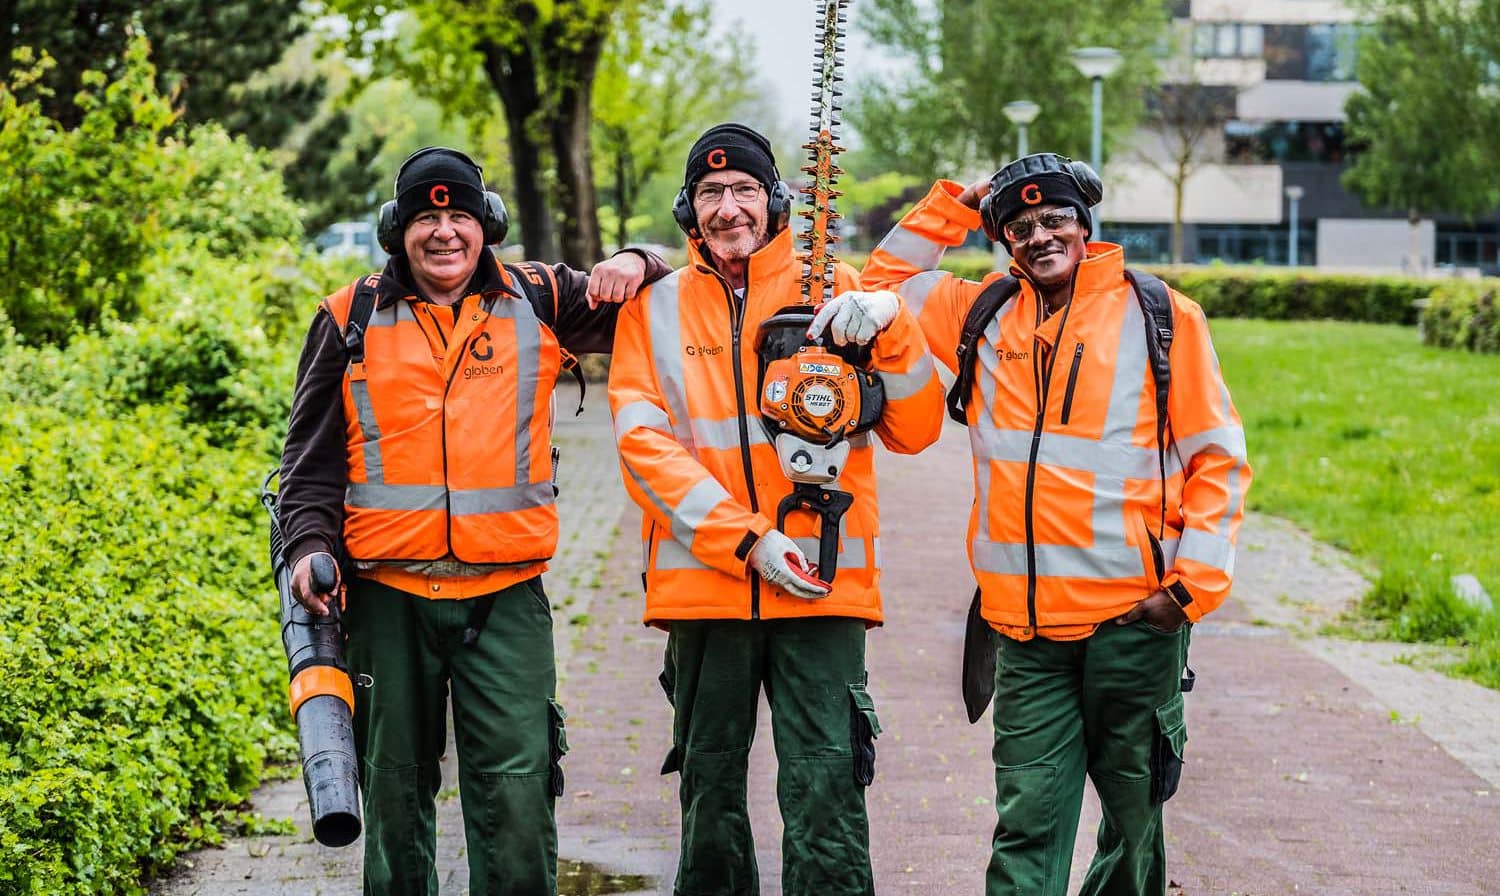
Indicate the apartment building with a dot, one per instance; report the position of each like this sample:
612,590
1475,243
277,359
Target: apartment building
1283,69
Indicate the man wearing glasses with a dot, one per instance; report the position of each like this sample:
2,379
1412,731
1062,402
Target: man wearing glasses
735,593
1110,477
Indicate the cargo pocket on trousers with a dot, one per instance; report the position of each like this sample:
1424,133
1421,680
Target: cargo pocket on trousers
1166,750
864,727
557,743
668,681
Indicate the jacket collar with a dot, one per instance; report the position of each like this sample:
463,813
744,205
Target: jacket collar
772,258
490,276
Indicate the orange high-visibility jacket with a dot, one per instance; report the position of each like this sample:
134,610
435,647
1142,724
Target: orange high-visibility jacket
1066,528
682,387
451,460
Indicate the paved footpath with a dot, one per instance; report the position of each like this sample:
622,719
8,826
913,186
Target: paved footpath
1314,765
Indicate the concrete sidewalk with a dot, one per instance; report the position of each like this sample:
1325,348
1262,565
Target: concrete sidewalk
1301,777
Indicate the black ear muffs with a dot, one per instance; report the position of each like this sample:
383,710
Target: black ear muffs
495,220
1090,187
778,210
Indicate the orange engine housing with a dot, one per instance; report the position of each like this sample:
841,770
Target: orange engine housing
813,394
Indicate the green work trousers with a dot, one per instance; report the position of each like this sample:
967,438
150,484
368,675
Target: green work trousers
1109,706
823,725
406,655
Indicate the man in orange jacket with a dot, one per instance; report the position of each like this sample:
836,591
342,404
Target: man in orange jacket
1097,534
726,583
418,448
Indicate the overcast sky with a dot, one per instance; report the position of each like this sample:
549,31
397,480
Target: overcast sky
783,32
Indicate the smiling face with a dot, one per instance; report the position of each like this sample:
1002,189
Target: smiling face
443,248
1048,255
733,224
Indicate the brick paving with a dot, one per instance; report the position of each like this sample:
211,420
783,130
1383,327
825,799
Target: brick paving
1314,766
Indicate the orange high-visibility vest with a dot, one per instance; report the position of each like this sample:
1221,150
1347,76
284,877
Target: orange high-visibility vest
697,460
450,457
1067,528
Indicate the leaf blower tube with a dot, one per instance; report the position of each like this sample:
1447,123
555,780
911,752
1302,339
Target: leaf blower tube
322,697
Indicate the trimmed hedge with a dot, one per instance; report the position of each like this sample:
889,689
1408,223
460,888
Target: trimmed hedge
1462,314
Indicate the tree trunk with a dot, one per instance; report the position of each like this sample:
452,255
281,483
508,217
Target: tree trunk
624,198
1179,187
569,127
513,74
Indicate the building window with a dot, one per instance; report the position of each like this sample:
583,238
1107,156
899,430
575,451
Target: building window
1332,52
1249,143
1255,243
1227,40
1476,247
1143,243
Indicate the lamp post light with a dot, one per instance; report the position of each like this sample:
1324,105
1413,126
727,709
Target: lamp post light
1293,194
1097,63
1021,113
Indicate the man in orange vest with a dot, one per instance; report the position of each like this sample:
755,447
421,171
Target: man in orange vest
731,588
1101,527
419,449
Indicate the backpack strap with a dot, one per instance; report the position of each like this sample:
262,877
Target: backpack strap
1156,308
986,306
360,310
540,288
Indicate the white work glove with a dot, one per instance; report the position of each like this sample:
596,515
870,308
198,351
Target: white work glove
780,562
855,316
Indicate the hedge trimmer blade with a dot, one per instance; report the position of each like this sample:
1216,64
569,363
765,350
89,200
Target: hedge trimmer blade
817,242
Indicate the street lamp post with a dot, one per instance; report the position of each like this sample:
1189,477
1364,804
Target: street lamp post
1021,113
1293,194
1097,63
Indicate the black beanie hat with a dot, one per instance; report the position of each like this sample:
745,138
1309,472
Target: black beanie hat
438,177
731,147
1039,179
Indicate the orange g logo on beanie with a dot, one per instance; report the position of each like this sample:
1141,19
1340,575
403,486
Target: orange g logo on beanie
1031,194
717,159
438,195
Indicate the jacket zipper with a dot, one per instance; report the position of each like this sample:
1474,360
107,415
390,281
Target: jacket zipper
1157,559
737,315
1067,407
1042,374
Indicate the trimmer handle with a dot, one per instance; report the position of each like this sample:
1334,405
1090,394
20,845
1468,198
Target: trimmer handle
829,504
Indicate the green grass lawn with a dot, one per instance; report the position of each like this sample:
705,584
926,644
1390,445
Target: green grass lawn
1388,449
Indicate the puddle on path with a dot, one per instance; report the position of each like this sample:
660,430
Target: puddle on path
583,879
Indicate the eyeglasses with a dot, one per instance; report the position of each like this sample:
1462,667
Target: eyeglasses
1022,229
713,194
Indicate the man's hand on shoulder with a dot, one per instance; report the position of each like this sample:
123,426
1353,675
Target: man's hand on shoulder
616,279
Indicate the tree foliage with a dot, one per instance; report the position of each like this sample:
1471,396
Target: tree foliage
1181,117
971,57
540,57
1426,118
664,78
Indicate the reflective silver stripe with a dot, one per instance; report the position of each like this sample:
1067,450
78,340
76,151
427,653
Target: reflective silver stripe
391,315
851,551
528,336
905,385
369,429
986,377
725,434
670,554
695,506
1232,504
1225,440
377,496
912,248
1124,411
1120,561
666,354
876,540
470,501
915,289
1208,549
1073,452
641,415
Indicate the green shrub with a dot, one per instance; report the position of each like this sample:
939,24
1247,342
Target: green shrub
1462,314
137,643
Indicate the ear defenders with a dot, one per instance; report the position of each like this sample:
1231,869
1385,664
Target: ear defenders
1090,188
778,195
495,220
